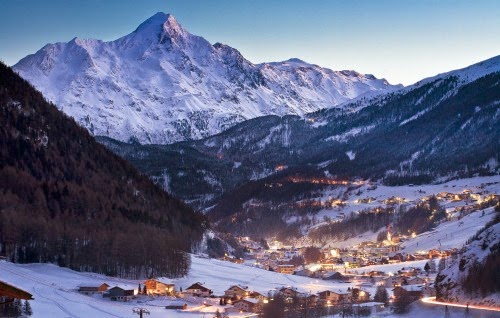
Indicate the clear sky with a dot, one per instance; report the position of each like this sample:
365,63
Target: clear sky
401,40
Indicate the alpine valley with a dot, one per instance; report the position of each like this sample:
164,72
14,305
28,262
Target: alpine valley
287,167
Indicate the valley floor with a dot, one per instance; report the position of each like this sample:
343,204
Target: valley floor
55,295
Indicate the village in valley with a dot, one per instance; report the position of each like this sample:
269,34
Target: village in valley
365,278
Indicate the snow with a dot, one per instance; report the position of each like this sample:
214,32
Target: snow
161,84
55,295
449,234
344,137
467,74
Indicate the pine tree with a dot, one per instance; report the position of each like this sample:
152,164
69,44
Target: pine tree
17,309
381,295
27,311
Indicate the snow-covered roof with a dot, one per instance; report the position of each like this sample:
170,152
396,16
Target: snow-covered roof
369,304
91,284
164,280
125,287
250,300
412,287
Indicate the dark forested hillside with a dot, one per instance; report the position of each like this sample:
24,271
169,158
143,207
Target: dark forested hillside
441,128
64,198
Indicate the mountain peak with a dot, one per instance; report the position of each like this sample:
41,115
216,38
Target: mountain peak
166,20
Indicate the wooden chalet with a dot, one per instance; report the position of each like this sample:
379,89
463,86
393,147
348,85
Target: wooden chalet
332,297
89,289
237,292
247,305
334,276
120,293
198,290
413,291
176,304
289,292
11,291
159,286
286,269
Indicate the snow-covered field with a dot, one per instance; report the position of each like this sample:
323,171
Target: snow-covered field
55,295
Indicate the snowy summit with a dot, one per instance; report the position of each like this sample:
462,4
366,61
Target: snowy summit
161,84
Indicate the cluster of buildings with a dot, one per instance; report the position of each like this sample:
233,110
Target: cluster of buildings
238,298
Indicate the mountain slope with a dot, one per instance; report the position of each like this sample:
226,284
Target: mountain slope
161,84
473,276
444,127
67,199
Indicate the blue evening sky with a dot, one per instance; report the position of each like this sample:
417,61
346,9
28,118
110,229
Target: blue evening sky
403,41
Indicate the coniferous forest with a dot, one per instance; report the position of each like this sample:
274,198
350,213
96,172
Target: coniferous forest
65,199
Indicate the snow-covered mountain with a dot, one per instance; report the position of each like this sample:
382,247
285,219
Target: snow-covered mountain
473,277
442,127
161,84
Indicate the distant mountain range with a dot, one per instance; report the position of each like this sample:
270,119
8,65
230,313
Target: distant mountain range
160,84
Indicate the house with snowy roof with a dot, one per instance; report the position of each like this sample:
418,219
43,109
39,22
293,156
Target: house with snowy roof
198,290
247,305
159,286
92,289
413,291
121,293
335,297
237,291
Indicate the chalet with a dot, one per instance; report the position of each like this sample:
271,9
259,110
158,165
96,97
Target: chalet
304,272
89,289
360,295
120,293
247,305
374,307
393,281
332,297
176,304
334,276
376,273
312,300
236,292
332,264
159,286
259,296
396,258
416,281
11,291
198,290
285,269
413,291
289,292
